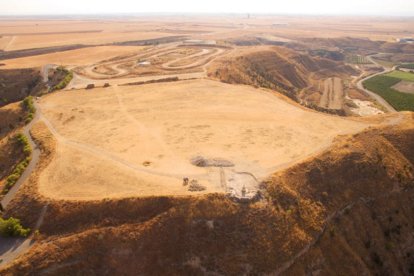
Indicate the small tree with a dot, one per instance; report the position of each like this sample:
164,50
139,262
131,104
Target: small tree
12,228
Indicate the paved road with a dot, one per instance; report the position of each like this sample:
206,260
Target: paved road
372,94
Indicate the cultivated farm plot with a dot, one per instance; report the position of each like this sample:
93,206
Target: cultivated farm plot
141,140
357,59
401,75
384,85
28,41
333,94
78,57
405,87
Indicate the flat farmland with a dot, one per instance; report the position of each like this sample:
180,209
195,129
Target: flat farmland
21,42
142,140
78,57
405,86
401,75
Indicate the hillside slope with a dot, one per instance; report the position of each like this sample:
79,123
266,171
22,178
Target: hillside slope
347,211
16,84
12,121
276,68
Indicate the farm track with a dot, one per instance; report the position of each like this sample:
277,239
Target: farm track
10,43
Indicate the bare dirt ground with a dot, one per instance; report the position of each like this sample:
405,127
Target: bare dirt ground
171,60
333,94
405,87
122,141
365,108
158,60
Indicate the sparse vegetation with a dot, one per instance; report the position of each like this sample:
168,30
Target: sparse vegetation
90,86
334,55
19,169
16,84
382,85
29,108
12,227
65,81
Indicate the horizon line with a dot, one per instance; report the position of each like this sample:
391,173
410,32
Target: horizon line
149,13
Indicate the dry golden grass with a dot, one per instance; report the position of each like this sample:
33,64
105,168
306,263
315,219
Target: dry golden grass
49,40
110,134
25,34
79,57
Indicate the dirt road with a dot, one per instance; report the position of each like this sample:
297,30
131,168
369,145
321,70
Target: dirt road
33,162
373,95
11,248
119,75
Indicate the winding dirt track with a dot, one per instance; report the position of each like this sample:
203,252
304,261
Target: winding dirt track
120,75
11,248
33,162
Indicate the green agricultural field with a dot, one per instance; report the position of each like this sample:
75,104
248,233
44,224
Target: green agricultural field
382,85
401,75
407,65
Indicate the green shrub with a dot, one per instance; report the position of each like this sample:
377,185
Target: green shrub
12,228
29,107
19,169
65,81
24,142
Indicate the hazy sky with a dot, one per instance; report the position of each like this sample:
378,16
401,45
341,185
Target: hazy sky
358,7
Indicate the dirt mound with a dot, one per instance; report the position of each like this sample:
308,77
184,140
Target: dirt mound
195,186
347,211
16,84
200,161
277,68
